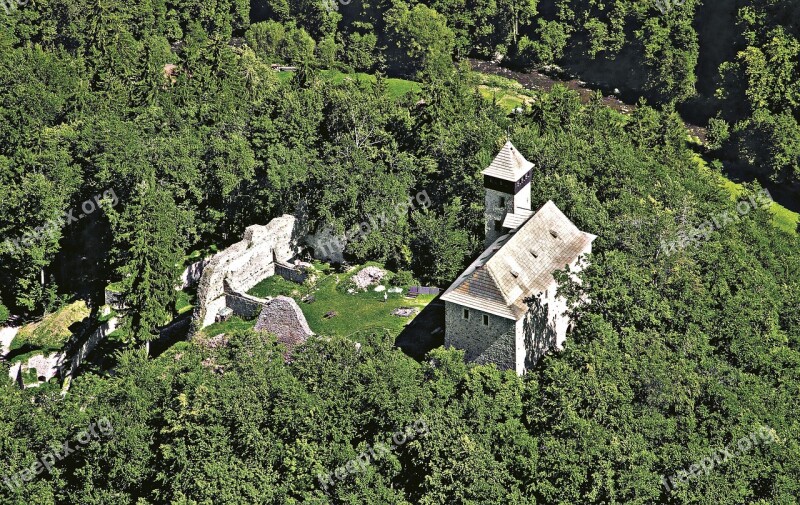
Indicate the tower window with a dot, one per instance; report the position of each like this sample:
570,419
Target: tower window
485,320
498,225
466,313
502,201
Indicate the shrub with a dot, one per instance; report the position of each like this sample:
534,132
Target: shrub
4,313
402,278
718,133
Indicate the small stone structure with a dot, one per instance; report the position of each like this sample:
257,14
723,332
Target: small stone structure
231,273
64,363
282,317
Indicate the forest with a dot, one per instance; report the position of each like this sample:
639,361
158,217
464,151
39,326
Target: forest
167,120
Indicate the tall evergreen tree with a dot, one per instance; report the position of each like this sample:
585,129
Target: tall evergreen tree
148,250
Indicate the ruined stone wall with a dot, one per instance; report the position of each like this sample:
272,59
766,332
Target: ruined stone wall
244,305
63,363
87,347
291,273
243,265
193,273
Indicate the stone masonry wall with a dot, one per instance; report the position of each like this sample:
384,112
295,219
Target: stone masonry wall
291,273
243,265
500,352
494,212
193,273
63,363
478,340
244,305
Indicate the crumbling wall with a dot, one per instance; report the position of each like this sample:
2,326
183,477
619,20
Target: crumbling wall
62,363
282,317
193,273
292,273
243,265
88,346
244,305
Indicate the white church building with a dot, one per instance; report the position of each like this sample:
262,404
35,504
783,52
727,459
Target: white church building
503,308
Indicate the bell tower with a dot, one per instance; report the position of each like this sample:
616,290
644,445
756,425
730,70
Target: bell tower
507,181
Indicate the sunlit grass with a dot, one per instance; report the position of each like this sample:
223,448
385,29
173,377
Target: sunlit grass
51,333
355,313
783,218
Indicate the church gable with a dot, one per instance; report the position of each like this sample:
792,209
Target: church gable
520,264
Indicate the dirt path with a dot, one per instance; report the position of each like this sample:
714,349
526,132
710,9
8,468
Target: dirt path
537,80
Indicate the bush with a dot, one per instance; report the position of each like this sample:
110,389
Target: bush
402,278
288,43
718,133
4,313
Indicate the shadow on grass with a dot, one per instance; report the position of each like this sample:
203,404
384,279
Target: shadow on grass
425,333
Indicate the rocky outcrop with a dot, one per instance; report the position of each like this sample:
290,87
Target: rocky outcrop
368,276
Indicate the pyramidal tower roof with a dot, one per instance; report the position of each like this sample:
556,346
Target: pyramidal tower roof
509,164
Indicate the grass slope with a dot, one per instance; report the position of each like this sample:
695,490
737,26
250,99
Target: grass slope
396,87
51,333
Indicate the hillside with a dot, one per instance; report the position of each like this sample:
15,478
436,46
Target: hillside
140,144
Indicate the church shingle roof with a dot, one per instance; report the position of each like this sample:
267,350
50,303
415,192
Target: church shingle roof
509,164
520,264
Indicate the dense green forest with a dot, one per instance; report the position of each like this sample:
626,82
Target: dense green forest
169,118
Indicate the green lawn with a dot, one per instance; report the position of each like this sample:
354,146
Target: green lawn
233,324
508,94
505,99
355,312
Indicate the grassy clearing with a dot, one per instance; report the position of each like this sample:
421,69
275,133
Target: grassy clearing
357,312
233,324
508,94
783,218
277,285
506,100
51,333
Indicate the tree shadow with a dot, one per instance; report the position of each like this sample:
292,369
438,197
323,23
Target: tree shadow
539,333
